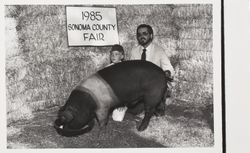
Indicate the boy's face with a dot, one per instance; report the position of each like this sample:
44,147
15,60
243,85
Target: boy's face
116,56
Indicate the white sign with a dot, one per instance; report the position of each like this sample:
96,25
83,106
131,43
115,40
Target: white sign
91,26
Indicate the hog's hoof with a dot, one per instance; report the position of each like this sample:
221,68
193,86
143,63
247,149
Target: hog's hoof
141,127
159,113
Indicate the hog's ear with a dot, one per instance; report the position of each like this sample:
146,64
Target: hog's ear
66,116
61,109
58,122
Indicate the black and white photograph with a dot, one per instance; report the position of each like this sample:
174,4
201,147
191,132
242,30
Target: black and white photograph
114,76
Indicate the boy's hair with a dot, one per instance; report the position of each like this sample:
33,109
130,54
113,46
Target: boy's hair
118,48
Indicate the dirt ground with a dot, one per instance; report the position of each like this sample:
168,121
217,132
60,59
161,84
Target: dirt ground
179,129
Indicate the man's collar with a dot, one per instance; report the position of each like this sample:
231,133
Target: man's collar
149,46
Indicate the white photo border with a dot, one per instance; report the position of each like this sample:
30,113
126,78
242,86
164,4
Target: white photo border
218,54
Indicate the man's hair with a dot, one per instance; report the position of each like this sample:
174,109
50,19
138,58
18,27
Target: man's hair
150,29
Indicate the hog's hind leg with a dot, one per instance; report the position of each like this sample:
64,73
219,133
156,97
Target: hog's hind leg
152,99
145,121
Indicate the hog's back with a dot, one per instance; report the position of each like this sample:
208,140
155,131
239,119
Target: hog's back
130,80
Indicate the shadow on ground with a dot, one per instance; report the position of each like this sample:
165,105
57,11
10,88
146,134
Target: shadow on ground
204,113
39,133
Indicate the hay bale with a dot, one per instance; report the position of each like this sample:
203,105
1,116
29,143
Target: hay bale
205,23
195,44
11,42
147,10
195,65
194,69
194,93
18,109
163,31
195,76
193,11
169,44
183,54
202,56
127,46
14,90
206,57
196,33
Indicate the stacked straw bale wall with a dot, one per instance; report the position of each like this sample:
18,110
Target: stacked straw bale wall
41,69
194,54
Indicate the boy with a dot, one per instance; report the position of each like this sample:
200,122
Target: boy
116,56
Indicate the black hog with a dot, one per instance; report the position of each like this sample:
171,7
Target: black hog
122,84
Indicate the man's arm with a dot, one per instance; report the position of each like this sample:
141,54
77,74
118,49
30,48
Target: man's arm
166,65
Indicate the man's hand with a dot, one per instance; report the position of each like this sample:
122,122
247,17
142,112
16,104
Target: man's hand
168,75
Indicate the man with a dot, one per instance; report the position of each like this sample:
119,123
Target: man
148,50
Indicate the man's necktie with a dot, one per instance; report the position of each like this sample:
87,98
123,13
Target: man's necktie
143,55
